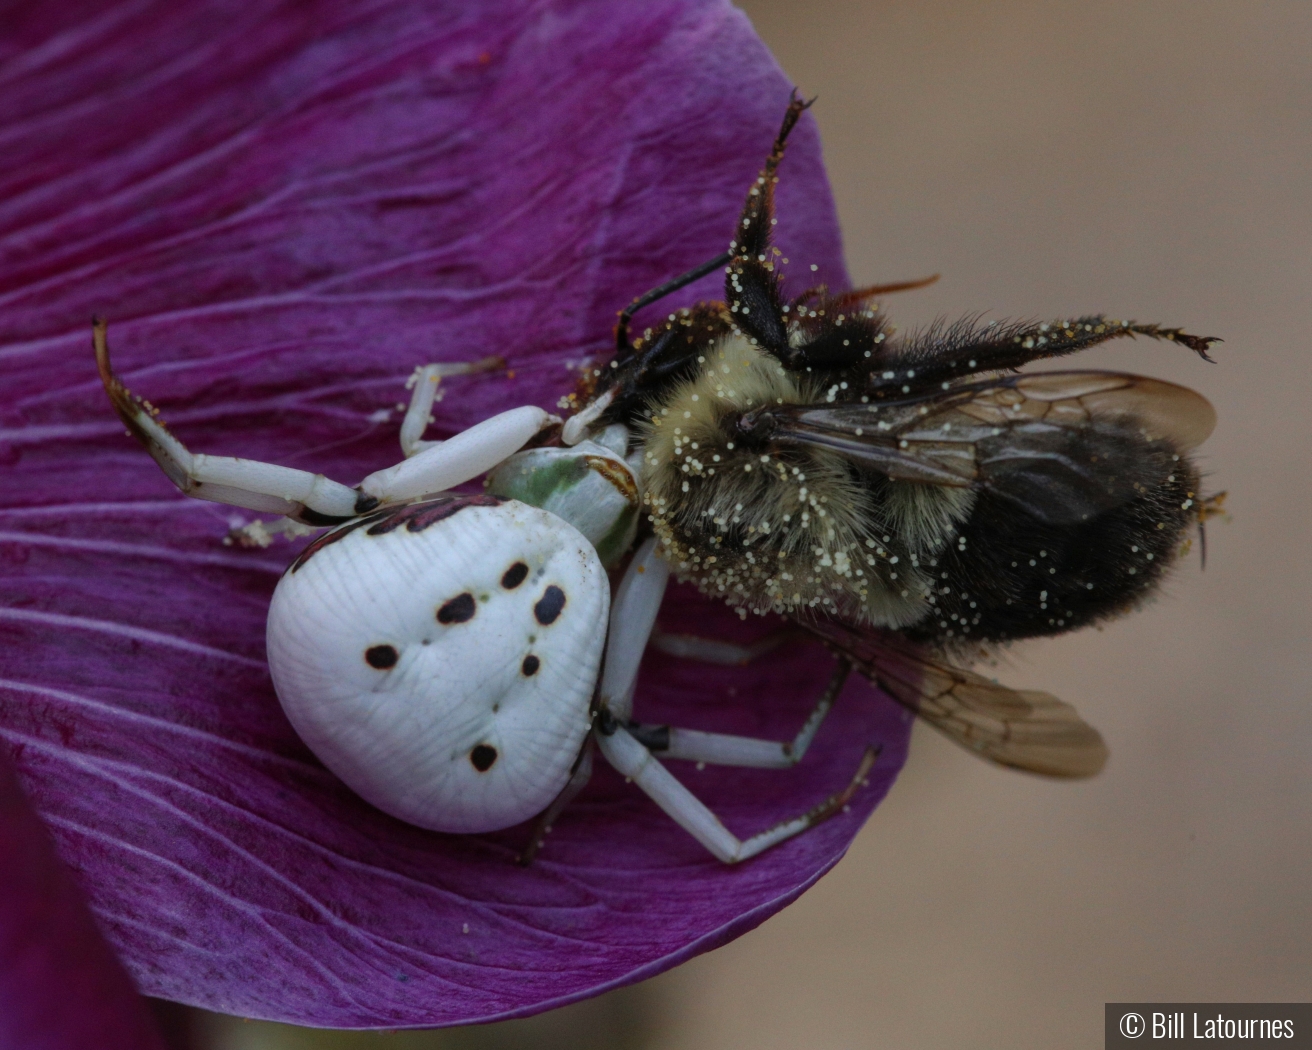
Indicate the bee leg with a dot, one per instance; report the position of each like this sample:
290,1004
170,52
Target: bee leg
308,498
713,651
424,383
578,780
634,761
622,344
965,350
849,333
724,749
751,287
859,296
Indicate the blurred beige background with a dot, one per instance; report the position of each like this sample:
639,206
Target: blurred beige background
1151,160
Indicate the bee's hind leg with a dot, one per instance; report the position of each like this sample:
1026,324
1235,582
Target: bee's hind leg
941,354
714,651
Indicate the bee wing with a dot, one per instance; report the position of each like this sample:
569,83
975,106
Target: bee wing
1064,445
1024,729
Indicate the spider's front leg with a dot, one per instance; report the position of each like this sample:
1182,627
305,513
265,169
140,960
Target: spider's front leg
308,498
629,747
435,466
446,464
424,391
313,499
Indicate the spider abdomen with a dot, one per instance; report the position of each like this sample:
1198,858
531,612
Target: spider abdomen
440,657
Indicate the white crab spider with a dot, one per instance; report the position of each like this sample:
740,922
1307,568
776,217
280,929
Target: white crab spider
443,653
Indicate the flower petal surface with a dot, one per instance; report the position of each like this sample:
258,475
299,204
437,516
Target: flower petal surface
49,944
282,209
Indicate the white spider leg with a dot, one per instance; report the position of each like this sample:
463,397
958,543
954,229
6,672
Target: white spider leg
724,749
632,616
713,651
449,463
249,483
576,427
633,760
425,382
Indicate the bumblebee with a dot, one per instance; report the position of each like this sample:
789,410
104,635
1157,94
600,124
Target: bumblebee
911,500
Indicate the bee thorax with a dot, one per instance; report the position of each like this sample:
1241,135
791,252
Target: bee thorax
775,529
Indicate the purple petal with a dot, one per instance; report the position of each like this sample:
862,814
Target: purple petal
282,209
50,947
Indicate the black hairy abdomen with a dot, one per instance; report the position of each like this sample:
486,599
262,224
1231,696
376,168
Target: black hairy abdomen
1027,578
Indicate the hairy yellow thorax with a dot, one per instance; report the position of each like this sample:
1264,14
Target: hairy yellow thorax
784,530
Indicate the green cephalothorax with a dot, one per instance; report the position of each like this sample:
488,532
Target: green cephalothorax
589,485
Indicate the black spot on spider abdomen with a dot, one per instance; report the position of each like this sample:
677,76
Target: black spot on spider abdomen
459,609
530,666
482,757
381,657
549,605
418,516
514,576
414,516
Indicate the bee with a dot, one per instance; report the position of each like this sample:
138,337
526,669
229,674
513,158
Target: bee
910,500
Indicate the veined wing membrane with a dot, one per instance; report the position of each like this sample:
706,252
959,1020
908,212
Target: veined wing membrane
1024,729
1065,446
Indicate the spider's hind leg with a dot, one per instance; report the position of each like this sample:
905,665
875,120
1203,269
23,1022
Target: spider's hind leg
634,761
725,749
578,780
715,651
629,748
